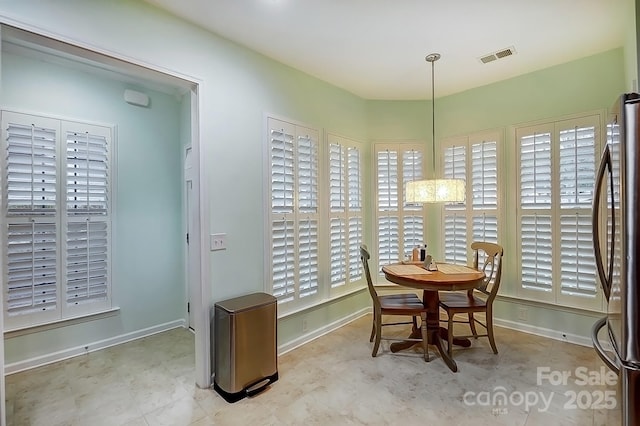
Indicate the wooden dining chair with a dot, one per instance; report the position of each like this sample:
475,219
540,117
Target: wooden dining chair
393,304
478,300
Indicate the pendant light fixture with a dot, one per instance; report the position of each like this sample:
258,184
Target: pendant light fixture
435,190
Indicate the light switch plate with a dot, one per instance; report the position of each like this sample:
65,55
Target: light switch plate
218,242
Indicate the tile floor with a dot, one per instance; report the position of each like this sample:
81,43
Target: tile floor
330,381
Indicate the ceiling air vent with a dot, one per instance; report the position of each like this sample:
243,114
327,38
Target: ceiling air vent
502,53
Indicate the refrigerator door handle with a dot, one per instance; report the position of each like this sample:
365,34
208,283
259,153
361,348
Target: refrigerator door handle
611,363
605,277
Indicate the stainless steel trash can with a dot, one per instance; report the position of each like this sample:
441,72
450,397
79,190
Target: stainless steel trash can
245,356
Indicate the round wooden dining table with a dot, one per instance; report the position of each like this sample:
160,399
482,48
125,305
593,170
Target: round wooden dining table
446,278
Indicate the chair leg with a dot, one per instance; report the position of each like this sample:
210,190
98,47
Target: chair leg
373,327
450,334
376,345
492,341
425,336
472,324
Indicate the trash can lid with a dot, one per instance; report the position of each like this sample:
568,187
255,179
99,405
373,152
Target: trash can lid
249,301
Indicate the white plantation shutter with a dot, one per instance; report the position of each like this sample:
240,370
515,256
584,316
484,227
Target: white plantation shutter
387,206
474,159
535,171
308,257
388,242
455,243
293,166
356,236
87,262
283,259
56,175
557,164
484,175
31,264
455,217
537,256
31,164
355,173
345,209
577,163
535,204
338,255
577,271
87,173
413,219
485,228
400,225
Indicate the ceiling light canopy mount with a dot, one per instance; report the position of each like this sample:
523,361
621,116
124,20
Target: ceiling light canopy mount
432,57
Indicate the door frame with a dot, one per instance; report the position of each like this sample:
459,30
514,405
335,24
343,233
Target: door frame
201,276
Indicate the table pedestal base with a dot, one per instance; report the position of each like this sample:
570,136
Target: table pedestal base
437,338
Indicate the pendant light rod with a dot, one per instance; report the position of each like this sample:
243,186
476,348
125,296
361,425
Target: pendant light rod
432,58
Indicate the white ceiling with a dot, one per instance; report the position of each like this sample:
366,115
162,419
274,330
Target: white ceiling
376,48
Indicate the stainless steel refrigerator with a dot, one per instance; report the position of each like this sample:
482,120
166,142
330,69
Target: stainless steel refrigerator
617,251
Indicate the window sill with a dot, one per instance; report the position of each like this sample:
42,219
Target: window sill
16,332
322,302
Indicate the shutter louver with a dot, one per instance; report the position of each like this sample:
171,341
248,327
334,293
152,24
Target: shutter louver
283,259
413,234
355,238
87,174
578,275
536,256
387,167
307,174
308,255
87,262
354,171
388,240
484,175
411,171
455,219
336,178
535,171
455,244
282,177
485,228
31,284
30,169
338,251
577,167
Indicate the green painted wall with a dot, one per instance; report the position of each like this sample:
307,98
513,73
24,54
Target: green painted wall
238,87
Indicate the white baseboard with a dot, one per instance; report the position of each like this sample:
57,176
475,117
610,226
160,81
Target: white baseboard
546,332
89,347
306,338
